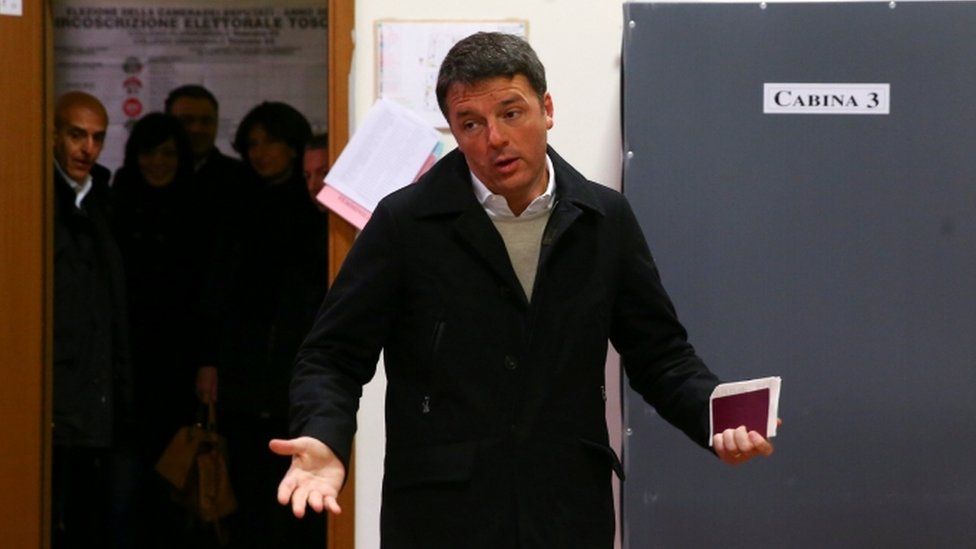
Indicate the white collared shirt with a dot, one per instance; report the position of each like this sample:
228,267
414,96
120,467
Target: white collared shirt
497,207
81,189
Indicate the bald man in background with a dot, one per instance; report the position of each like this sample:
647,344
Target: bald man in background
92,377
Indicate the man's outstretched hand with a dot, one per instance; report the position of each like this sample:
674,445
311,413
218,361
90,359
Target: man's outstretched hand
314,478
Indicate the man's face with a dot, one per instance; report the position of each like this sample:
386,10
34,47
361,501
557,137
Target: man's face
199,118
315,164
78,140
500,126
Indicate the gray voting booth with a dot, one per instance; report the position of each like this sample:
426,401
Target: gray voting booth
834,248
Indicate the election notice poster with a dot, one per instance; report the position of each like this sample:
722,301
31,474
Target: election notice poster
409,56
130,55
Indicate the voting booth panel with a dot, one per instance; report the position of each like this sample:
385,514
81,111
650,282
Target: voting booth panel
805,175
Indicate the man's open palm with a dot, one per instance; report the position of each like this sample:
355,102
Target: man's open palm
314,478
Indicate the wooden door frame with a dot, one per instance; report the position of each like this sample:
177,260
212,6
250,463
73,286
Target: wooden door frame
341,533
25,283
26,263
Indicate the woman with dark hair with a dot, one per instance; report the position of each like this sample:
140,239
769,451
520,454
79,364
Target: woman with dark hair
270,279
271,139
154,223
158,151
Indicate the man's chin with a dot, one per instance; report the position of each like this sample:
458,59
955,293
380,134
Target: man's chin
79,174
202,150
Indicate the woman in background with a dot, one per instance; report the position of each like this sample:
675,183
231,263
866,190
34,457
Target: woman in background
270,278
154,223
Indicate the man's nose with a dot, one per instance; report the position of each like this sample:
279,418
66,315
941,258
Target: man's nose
496,135
89,146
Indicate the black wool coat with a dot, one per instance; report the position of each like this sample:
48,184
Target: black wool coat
267,280
495,406
158,234
92,369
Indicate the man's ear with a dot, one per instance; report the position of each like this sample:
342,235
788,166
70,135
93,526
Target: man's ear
547,107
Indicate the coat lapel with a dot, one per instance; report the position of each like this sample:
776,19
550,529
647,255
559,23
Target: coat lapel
448,193
483,240
573,197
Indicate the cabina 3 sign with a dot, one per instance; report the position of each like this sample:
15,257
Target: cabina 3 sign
826,98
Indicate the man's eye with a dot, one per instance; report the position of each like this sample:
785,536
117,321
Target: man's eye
514,113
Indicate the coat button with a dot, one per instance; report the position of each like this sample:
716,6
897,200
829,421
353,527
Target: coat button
511,363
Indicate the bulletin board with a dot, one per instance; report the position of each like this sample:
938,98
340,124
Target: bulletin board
409,55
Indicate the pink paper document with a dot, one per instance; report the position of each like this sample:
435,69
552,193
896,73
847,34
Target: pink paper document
387,152
344,207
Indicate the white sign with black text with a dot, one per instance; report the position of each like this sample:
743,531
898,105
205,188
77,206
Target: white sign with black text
794,98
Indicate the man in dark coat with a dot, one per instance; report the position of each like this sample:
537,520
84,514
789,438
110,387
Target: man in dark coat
493,286
218,183
92,378
197,109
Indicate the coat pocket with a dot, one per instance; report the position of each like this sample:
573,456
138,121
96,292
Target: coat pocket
430,465
427,374
606,452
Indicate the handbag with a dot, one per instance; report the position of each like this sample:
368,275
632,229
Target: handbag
195,465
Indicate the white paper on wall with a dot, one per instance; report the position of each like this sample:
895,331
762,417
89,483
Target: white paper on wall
409,55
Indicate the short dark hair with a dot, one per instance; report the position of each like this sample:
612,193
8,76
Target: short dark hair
317,141
194,91
487,55
151,131
281,121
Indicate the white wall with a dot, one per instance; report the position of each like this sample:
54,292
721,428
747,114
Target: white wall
579,43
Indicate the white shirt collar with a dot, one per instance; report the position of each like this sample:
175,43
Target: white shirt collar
497,207
80,188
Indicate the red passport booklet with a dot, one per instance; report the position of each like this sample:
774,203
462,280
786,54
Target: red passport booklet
753,403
